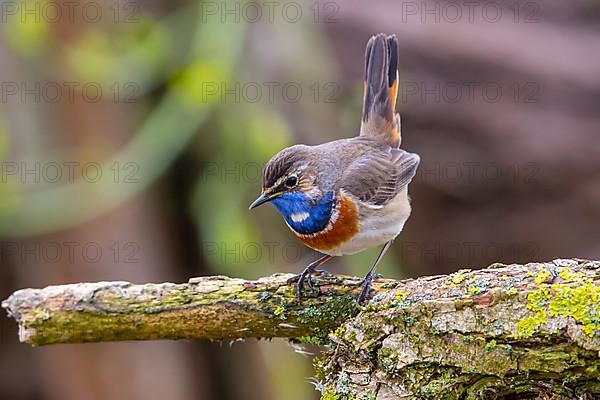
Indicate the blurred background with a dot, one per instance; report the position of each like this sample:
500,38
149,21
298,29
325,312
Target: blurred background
133,133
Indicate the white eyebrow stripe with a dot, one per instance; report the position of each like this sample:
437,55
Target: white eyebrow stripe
299,217
280,181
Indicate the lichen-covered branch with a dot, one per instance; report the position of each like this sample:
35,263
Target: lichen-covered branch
520,330
213,308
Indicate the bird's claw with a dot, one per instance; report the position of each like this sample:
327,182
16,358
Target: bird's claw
366,287
307,273
299,279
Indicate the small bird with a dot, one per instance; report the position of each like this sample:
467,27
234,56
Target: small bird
348,195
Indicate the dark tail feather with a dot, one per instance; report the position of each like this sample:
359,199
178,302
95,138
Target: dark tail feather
393,69
381,87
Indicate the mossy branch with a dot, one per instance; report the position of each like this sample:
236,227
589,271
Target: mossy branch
525,330
213,308
518,331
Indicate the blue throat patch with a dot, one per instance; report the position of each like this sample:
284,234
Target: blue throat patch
301,214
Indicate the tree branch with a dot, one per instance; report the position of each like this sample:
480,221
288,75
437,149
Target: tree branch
520,329
213,308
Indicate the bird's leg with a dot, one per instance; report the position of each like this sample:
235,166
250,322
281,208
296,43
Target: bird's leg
366,282
307,273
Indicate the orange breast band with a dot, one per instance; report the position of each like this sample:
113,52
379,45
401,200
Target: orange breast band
342,227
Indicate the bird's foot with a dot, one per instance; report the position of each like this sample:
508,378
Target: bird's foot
307,274
299,279
366,287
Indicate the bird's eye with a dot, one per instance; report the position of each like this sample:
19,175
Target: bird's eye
291,181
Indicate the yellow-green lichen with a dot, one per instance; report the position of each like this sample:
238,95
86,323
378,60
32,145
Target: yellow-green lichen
478,286
380,304
280,312
538,299
401,295
339,332
491,345
474,290
581,303
330,395
542,276
459,276
528,326
569,275
536,302
322,368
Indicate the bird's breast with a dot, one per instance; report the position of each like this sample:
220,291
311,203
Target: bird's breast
355,227
343,225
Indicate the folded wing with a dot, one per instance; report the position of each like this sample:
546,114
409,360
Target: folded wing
378,176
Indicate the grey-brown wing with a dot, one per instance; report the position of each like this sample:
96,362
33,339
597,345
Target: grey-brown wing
378,176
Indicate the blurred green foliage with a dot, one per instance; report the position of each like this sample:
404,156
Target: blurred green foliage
170,58
28,35
167,130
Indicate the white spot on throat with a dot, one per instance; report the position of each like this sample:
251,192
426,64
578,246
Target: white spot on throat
299,217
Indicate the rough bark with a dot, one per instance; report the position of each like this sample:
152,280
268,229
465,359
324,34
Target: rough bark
213,308
526,330
506,332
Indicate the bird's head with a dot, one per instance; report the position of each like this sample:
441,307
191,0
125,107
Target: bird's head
290,177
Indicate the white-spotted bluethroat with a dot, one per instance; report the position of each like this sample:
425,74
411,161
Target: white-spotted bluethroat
349,195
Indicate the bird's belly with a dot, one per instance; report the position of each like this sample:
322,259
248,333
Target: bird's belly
378,226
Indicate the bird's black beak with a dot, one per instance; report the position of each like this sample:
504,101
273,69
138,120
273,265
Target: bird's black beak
262,199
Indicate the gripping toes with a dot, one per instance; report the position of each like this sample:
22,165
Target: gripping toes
307,274
366,287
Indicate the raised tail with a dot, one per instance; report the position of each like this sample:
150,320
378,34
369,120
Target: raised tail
381,89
